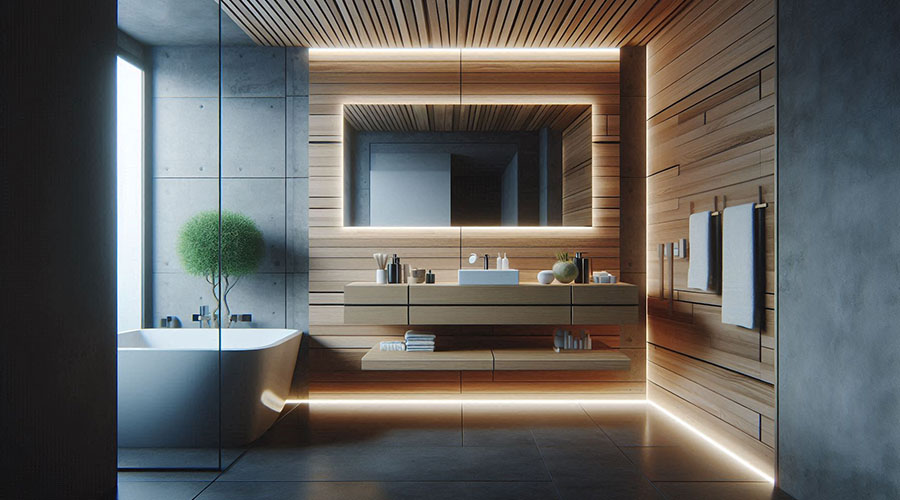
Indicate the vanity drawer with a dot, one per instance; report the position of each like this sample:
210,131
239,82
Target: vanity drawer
489,315
614,294
376,295
376,315
487,295
604,315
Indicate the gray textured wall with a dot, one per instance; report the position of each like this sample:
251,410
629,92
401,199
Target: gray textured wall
839,249
57,259
491,149
264,141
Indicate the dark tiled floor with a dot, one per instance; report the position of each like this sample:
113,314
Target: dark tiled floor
466,450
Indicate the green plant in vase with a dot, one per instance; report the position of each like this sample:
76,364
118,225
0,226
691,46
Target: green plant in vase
242,250
564,270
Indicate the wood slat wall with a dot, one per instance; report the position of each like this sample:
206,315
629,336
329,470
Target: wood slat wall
465,117
339,255
577,173
711,133
451,23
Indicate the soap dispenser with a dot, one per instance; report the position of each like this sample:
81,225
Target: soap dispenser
505,261
577,260
499,261
393,270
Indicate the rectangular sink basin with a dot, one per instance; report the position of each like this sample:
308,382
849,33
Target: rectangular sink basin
488,277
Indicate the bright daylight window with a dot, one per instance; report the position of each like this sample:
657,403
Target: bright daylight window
129,188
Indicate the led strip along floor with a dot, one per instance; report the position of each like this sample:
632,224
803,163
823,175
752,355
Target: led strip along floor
611,402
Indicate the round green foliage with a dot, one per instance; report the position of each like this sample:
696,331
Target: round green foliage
198,244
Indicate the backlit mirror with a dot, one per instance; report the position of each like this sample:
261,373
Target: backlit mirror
414,165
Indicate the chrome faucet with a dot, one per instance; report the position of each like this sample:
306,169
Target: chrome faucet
203,316
486,260
240,318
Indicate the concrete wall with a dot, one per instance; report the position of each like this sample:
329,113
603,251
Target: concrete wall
264,142
409,188
57,259
838,249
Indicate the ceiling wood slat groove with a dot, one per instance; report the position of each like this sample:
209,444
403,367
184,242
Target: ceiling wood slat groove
462,118
452,23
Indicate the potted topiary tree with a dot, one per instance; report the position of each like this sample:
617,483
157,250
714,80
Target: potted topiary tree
242,250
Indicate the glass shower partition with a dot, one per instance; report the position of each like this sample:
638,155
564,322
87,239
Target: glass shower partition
170,235
264,204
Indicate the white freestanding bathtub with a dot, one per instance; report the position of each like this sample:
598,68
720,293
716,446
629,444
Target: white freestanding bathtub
169,385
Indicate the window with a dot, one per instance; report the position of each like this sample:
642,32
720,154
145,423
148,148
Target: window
129,193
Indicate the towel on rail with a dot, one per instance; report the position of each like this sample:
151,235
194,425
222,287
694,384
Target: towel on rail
739,266
700,266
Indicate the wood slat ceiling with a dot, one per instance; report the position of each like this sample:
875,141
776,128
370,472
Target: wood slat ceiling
452,23
460,118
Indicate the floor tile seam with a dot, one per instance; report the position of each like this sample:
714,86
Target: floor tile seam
195,497
544,463
611,440
636,466
166,481
652,446
462,422
411,481
711,481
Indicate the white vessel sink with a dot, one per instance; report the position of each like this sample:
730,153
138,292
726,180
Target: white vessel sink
488,277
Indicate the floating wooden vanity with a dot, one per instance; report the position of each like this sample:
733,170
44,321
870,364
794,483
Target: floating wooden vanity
495,360
523,304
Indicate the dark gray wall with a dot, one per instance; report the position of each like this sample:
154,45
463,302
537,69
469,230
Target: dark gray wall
57,259
472,151
509,193
264,143
839,249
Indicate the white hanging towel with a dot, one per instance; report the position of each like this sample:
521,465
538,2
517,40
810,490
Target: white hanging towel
700,266
739,266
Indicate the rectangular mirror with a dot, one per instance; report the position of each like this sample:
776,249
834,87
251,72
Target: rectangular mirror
414,165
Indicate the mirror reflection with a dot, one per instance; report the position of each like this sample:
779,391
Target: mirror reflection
409,165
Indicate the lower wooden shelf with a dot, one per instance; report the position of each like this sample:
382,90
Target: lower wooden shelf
548,359
495,359
475,359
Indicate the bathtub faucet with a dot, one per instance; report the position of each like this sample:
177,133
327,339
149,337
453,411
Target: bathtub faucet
203,316
240,318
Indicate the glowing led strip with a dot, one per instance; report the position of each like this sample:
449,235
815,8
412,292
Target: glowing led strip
419,50
448,401
545,402
714,443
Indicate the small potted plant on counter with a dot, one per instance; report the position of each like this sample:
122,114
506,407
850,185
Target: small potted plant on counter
564,269
242,251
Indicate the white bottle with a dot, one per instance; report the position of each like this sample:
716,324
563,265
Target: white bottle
505,261
499,261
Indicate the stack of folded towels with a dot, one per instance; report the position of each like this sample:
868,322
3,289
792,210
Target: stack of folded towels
393,345
419,341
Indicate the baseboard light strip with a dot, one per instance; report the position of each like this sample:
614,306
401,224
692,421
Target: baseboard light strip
623,402
714,443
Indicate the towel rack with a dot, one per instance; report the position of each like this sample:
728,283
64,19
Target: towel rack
758,205
662,250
